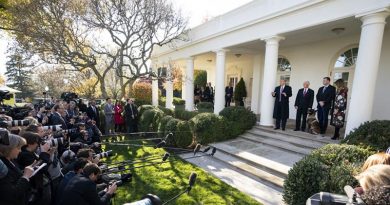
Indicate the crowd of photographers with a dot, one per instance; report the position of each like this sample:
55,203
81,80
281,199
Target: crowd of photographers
53,156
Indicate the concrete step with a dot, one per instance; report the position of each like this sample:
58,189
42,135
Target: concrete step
298,134
287,146
268,158
308,144
259,190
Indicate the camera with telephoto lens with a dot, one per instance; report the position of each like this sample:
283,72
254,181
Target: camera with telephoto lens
101,155
53,128
14,123
70,131
54,142
4,136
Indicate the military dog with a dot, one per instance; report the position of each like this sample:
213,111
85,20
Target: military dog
312,122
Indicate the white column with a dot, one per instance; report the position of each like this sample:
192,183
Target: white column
169,88
189,81
256,84
155,87
269,80
219,103
366,69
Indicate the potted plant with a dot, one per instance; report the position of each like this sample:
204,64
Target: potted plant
179,103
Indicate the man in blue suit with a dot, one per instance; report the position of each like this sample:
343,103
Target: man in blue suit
325,97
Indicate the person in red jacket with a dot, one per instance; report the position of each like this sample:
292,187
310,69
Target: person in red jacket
118,118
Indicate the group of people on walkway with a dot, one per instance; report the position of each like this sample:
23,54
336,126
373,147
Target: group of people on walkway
120,117
329,98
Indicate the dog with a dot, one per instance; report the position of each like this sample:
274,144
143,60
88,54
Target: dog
312,122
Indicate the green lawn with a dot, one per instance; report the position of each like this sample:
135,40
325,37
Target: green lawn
166,180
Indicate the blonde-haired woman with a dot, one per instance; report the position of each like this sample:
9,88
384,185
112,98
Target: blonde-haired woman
378,158
339,108
377,175
15,185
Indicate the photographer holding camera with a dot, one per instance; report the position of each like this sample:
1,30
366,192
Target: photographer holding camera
15,186
41,181
81,189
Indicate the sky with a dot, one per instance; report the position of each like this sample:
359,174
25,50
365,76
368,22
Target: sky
196,10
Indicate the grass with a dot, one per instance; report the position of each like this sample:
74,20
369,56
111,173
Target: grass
168,179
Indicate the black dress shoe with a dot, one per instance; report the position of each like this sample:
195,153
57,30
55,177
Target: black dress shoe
334,138
284,129
296,130
276,128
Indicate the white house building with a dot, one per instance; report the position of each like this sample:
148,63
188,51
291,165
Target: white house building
299,40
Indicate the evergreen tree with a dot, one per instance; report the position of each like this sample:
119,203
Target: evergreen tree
240,92
19,73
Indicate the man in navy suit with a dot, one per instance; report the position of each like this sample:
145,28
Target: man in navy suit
303,102
56,117
281,94
325,97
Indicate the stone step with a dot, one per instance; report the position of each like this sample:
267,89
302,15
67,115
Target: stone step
308,144
287,146
273,160
262,191
301,135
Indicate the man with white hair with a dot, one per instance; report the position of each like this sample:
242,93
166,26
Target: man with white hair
303,102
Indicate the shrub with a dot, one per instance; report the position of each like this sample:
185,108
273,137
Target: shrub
327,169
240,92
184,114
171,127
183,135
200,78
375,134
241,119
205,107
166,110
142,93
178,101
162,100
208,128
163,123
143,108
150,120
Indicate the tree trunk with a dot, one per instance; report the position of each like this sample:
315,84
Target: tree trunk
103,87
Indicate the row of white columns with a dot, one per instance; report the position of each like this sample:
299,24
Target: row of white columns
362,98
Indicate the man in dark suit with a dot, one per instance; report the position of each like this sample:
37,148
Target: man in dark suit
281,94
303,102
56,118
325,97
93,113
131,114
81,189
228,95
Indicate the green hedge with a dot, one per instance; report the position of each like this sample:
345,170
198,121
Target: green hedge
166,110
184,114
143,108
326,169
162,100
178,101
171,127
150,119
208,128
241,119
163,123
183,136
375,134
205,107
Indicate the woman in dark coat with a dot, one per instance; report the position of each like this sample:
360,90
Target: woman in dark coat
15,186
339,108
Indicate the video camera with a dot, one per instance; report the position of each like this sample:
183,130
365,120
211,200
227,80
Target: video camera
54,142
14,123
326,198
69,96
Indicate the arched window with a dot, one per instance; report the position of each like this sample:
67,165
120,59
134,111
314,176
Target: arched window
347,59
284,70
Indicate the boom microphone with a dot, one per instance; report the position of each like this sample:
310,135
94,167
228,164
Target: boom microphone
213,151
161,144
197,148
207,149
168,135
192,181
166,156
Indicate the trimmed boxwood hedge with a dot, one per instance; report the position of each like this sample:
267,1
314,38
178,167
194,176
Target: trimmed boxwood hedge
241,119
208,128
143,108
163,123
205,107
166,110
150,120
374,134
171,127
184,114
327,169
183,136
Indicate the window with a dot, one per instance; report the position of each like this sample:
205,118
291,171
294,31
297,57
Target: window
284,70
347,59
